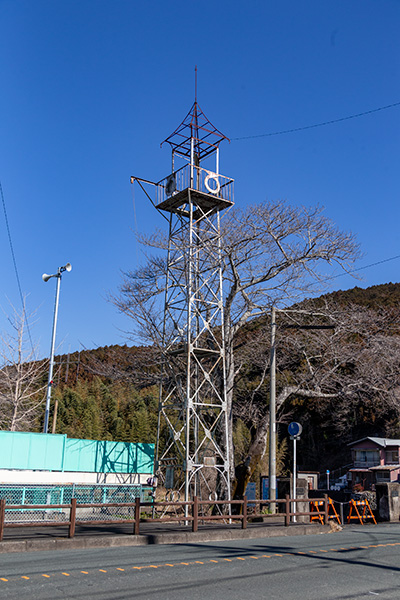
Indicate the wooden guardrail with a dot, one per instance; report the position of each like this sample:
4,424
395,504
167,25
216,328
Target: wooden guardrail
193,512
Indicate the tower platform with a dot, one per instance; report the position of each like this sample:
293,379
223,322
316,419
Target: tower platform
207,203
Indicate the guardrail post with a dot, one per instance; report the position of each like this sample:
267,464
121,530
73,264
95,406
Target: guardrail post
326,509
195,514
244,520
137,516
72,518
287,506
2,517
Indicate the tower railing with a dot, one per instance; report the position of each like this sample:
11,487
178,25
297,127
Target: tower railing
196,178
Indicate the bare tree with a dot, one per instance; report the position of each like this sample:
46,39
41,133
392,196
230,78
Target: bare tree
22,378
355,365
272,252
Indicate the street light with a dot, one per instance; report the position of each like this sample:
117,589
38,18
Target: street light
45,278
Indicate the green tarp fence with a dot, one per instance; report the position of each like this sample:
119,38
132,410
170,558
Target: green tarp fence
52,452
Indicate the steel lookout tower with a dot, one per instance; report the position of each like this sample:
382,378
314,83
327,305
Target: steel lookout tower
192,455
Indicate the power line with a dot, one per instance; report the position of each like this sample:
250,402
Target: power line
380,262
361,114
15,266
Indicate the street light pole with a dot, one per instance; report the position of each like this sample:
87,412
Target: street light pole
46,277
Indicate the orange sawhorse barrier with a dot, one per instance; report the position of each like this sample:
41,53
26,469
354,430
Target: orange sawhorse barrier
362,514
318,516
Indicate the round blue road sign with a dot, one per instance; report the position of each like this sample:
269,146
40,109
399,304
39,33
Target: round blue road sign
295,429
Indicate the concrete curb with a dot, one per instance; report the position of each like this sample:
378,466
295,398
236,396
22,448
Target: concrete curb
175,537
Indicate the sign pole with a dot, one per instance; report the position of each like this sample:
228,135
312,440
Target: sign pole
294,430
294,476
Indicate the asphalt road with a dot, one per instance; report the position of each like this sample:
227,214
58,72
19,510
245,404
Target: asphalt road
357,563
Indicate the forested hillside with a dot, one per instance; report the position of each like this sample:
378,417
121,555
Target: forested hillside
377,296
341,383
107,393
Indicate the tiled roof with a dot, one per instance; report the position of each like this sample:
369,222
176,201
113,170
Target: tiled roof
379,441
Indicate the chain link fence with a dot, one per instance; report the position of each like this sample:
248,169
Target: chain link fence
33,500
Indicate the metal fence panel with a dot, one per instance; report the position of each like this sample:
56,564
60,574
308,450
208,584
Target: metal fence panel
31,495
22,450
108,457
51,452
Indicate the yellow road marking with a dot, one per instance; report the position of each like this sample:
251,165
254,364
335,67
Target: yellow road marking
225,559
3,579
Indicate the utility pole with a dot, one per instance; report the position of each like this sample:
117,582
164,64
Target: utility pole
272,414
272,395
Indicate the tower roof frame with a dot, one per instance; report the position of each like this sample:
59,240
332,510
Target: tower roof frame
197,127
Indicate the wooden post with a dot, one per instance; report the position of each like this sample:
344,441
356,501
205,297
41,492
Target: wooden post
287,515
195,514
137,516
326,509
244,520
2,517
72,518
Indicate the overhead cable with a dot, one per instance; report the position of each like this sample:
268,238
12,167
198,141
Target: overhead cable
361,114
380,262
15,266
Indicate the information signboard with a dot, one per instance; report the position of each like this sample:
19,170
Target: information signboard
250,492
265,488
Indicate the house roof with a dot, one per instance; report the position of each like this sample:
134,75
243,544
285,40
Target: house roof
385,468
360,470
383,442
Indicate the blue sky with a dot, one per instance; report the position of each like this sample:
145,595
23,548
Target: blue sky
91,87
